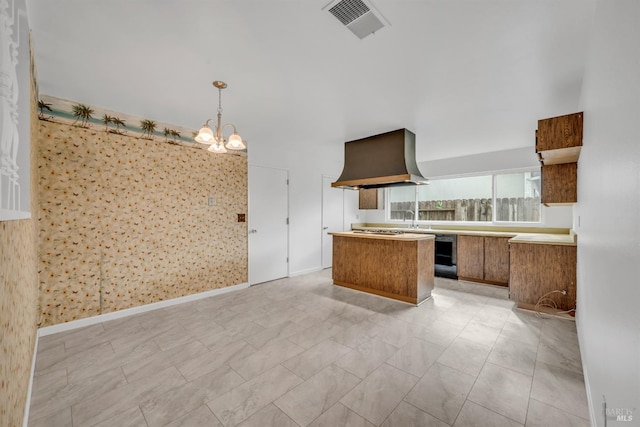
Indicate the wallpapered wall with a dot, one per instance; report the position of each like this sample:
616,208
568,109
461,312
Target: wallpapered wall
18,304
125,221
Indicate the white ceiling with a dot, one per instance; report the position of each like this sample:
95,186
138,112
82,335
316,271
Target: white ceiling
467,76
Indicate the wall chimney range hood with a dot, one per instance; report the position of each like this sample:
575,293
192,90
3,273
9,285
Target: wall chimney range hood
385,160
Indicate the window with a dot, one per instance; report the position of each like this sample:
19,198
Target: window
518,197
498,197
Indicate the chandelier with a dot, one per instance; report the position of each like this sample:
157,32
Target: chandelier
215,137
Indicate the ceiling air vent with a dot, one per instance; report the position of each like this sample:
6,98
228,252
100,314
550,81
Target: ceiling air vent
362,18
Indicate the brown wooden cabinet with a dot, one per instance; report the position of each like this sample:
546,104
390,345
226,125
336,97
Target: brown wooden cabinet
558,144
368,198
536,269
471,257
483,259
496,259
559,184
557,133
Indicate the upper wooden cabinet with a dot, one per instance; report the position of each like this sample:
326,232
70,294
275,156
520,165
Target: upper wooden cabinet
559,184
558,143
559,139
368,198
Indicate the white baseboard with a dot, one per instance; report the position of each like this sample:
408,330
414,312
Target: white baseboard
585,374
80,323
27,405
307,271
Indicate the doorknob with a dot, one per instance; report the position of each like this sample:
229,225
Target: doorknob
253,231
325,228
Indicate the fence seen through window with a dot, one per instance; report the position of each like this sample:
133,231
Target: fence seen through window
499,197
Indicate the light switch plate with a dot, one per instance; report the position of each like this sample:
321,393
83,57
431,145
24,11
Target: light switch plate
212,201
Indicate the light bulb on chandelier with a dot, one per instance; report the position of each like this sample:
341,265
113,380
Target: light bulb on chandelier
215,137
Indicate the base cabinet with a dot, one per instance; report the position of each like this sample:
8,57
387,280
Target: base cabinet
537,269
484,259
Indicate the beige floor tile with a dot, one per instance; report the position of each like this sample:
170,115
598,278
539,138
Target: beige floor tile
378,394
110,404
492,316
465,356
157,360
316,334
307,401
98,334
561,389
473,415
207,335
234,332
55,358
406,415
339,415
356,335
441,392
183,399
224,353
366,358
269,335
560,353
60,418
479,332
543,415
56,399
503,391
307,364
269,416
132,417
176,336
523,332
83,371
266,358
514,355
199,417
47,384
245,400
440,332
416,357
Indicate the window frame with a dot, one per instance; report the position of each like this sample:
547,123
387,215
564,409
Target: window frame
493,222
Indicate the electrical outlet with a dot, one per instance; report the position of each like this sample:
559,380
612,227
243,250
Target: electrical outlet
241,218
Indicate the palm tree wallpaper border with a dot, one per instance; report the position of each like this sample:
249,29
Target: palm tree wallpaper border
77,114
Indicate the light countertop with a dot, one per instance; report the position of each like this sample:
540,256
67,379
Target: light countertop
407,236
545,239
553,237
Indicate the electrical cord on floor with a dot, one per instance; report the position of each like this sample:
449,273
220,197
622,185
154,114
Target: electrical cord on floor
545,301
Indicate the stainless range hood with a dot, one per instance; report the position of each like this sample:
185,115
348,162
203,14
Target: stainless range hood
385,160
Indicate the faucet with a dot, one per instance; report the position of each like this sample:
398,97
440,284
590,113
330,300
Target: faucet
413,219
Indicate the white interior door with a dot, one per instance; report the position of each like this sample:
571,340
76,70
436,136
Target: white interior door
332,217
268,224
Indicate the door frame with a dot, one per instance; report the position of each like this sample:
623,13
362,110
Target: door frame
322,232
250,165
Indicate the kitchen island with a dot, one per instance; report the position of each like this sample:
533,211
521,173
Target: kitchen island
398,266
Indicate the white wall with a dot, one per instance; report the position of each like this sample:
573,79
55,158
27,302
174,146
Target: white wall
306,168
498,160
607,214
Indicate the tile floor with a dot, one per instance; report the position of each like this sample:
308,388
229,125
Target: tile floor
302,352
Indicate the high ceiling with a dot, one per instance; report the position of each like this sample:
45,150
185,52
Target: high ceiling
467,76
